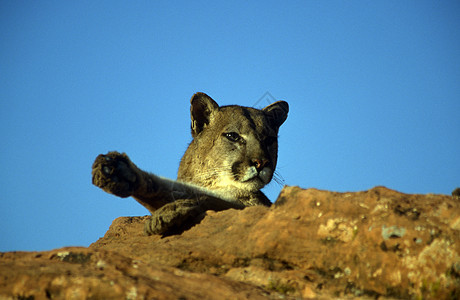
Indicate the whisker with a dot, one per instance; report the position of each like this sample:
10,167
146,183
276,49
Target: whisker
278,178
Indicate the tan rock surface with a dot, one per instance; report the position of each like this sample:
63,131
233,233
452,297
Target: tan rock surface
311,244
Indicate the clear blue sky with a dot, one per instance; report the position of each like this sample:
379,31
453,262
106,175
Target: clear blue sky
373,89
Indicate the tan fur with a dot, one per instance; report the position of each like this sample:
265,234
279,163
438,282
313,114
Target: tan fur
232,156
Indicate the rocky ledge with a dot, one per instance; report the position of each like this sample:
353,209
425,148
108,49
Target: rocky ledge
311,244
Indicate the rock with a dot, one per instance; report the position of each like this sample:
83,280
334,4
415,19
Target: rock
311,244
79,273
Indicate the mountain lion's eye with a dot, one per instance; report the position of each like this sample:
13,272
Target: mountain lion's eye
232,136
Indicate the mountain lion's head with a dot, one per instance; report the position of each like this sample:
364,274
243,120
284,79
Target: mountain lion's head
234,148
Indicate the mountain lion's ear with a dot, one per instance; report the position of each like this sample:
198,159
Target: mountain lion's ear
277,112
201,108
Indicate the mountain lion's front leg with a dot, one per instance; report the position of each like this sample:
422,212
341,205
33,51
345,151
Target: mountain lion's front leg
117,175
171,203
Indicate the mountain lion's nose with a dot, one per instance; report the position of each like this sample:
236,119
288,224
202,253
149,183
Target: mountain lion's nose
259,163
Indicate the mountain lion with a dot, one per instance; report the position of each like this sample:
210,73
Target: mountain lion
232,156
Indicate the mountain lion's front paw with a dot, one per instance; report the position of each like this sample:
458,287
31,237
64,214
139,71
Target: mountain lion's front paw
174,217
115,174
